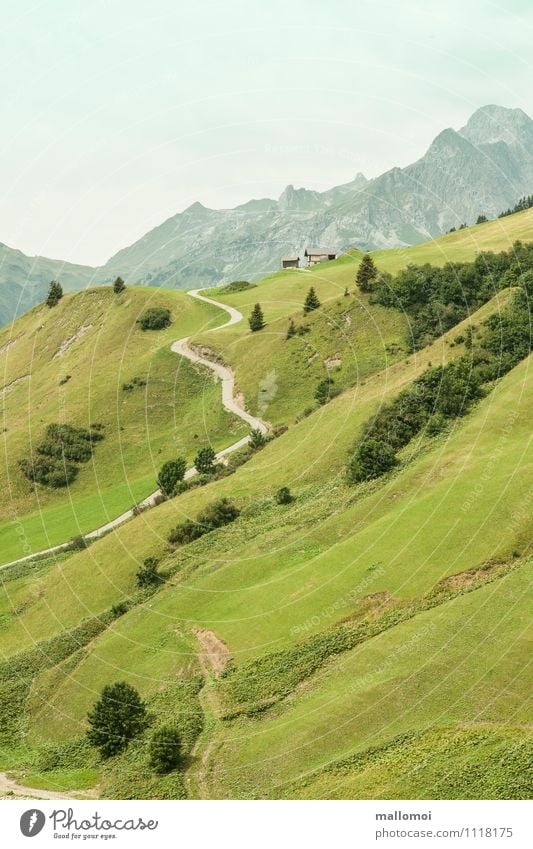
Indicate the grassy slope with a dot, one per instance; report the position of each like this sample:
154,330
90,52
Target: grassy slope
365,338
281,574
177,411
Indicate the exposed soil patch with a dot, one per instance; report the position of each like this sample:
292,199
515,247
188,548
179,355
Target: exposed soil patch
65,345
215,654
5,390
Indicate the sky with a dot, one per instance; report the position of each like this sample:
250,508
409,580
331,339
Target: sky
117,114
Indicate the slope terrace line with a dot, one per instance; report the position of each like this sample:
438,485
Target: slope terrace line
229,402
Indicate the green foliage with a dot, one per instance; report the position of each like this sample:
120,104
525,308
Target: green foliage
119,286
155,318
435,299
291,330
55,293
55,462
284,495
373,458
524,203
204,462
481,219
165,749
238,286
171,473
133,383
116,718
215,515
256,319
325,390
147,574
311,301
367,274
257,439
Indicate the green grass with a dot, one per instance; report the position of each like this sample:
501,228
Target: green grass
177,411
436,699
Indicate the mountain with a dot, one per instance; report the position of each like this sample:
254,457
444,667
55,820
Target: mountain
484,167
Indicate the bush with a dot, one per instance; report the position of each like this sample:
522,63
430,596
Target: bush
372,459
78,543
119,286
215,515
147,574
116,718
325,391
238,286
204,462
165,749
284,496
54,463
155,318
170,475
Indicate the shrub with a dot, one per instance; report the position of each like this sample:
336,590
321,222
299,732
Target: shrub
215,515
257,439
165,749
78,543
116,718
371,460
171,473
284,496
119,609
147,574
325,391
204,462
155,318
49,471
291,330
119,286
238,286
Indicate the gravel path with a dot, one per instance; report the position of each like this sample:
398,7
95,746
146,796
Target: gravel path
229,401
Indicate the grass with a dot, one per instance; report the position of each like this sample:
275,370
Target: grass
437,699
177,412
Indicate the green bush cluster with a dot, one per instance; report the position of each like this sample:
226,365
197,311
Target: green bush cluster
155,318
56,459
435,299
215,515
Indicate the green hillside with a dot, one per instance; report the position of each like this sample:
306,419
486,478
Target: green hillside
350,337
69,364
365,640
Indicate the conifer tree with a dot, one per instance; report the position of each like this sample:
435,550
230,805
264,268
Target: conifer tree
256,319
119,286
311,301
366,274
291,330
55,293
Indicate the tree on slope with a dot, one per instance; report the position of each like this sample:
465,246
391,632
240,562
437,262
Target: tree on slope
170,474
204,462
311,301
165,749
116,718
119,286
55,293
257,319
366,274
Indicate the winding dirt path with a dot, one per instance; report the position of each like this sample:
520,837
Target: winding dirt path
229,402
11,789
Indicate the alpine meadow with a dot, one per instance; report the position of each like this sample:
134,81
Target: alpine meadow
271,539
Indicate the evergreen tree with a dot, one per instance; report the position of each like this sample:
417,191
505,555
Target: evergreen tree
366,274
171,473
311,301
55,293
481,219
165,749
257,439
204,462
119,286
147,574
117,717
256,319
291,330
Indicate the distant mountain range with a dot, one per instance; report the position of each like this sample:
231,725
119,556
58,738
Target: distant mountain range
483,168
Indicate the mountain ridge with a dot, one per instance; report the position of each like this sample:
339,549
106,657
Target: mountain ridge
484,167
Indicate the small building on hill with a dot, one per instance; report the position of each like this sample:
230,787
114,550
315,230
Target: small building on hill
290,262
316,255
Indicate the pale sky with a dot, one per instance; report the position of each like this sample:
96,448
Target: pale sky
116,114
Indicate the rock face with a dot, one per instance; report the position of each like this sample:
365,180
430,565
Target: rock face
483,168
